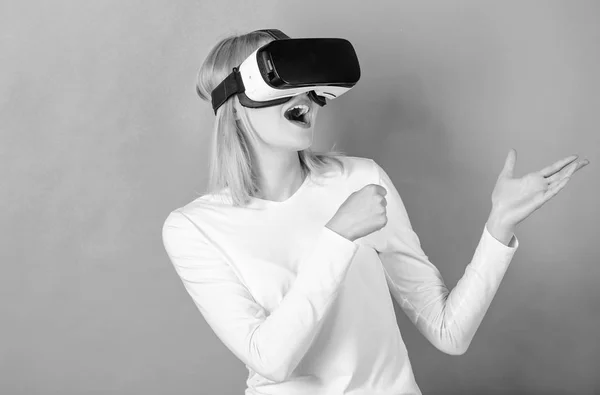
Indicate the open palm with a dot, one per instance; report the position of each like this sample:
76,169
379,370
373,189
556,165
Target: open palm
518,198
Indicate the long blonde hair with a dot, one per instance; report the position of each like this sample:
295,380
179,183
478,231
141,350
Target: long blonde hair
231,148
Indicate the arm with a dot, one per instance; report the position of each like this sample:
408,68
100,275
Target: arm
272,345
448,320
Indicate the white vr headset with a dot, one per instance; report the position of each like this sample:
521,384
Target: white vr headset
326,68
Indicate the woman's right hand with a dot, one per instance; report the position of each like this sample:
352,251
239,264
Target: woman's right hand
361,214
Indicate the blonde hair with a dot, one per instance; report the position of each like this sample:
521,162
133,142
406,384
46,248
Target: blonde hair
231,148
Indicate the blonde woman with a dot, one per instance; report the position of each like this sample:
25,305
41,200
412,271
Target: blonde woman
292,255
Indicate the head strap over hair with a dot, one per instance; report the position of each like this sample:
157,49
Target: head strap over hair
276,34
230,86
233,84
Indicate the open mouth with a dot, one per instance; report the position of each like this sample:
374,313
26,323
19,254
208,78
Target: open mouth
298,115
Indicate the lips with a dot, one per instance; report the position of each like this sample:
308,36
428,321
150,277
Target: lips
298,112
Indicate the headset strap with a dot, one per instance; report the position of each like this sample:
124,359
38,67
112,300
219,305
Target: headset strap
276,34
233,84
230,86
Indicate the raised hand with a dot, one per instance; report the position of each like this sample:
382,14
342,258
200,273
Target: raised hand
514,199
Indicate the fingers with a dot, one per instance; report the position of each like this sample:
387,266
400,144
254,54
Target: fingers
542,198
558,182
509,164
557,166
565,172
570,170
552,191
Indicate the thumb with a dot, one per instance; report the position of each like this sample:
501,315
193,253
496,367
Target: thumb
509,164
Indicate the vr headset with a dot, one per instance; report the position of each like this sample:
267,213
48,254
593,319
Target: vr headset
326,68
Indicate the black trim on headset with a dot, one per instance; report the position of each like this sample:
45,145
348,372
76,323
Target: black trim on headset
247,102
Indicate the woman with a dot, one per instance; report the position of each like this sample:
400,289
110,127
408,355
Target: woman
292,256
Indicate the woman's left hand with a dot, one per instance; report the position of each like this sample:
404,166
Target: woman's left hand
514,199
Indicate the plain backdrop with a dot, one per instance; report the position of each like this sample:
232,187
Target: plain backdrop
102,135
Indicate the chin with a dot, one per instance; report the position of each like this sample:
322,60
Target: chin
303,143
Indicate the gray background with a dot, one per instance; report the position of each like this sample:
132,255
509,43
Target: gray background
102,136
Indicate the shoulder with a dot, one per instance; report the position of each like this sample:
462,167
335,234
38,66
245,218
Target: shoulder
202,203
357,163
175,220
357,167
196,215
175,229
187,225
358,171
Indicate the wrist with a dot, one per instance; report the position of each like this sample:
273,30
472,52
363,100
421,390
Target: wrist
499,228
337,230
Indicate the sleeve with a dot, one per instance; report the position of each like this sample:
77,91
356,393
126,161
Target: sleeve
448,320
272,345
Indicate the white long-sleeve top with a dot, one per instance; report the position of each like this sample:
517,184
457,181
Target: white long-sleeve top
309,311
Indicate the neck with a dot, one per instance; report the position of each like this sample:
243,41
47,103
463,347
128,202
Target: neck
280,175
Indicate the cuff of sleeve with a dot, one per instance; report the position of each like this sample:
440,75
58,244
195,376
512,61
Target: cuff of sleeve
513,244
494,254
324,269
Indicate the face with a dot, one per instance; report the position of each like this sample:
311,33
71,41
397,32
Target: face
288,126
